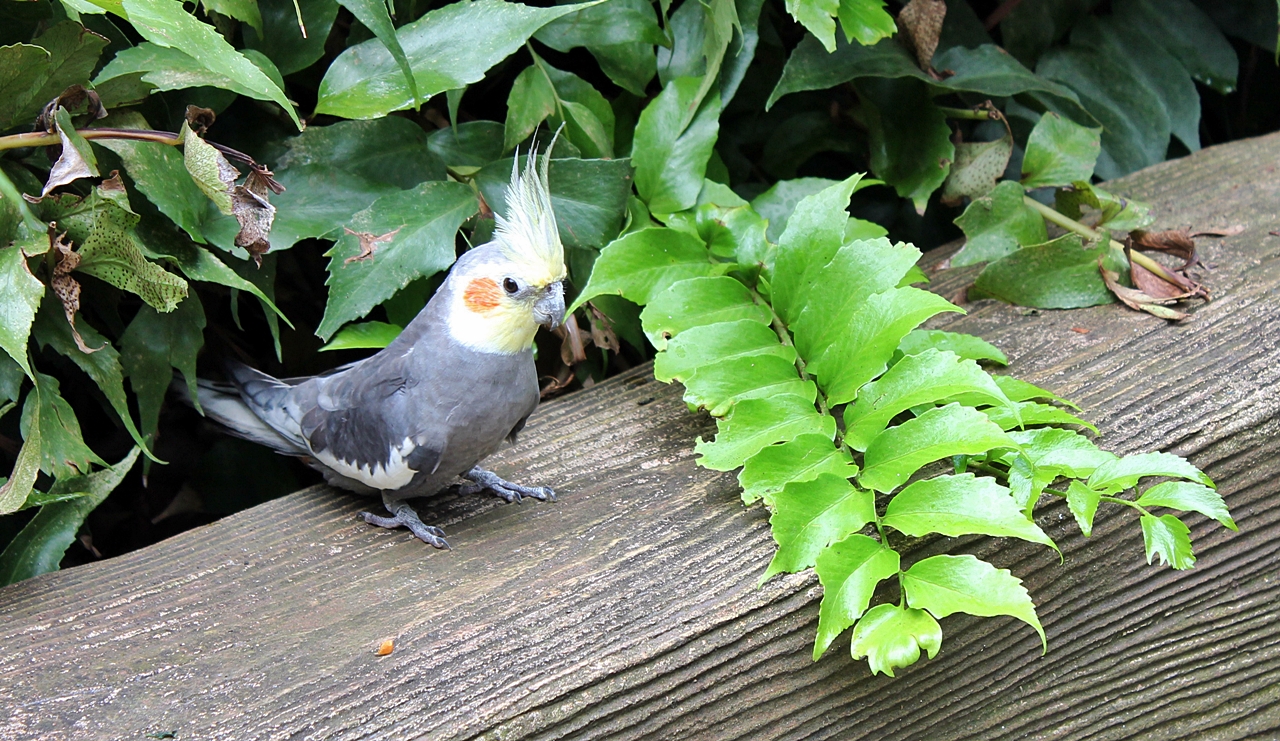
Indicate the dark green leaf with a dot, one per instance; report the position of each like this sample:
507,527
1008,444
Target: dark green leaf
376,17
1059,152
703,345
22,292
900,451
448,48
977,167
471,144
1189,497
1123,473
411,235
810,515
911,146
803,459
619,33
152,346
26,467
241,10
283,41
365,335
1061,274
390,150
1168,538
698,301
531,101
849,570
32,75
318,200
62,448
22,68
644,263
997,225
961,505
39,547
589,196
672,148
944,585
890,637
756,423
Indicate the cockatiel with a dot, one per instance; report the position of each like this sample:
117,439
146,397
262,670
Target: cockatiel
412,419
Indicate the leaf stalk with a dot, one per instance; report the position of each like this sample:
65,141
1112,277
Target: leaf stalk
1066,222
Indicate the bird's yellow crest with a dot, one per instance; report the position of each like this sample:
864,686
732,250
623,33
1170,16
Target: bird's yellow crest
527,234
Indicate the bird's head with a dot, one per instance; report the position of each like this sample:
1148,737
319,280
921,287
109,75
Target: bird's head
504,289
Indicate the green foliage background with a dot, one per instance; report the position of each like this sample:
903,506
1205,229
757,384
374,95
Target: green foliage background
709,160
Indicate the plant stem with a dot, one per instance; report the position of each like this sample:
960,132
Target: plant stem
966,113
42,139
1071,225
1126,502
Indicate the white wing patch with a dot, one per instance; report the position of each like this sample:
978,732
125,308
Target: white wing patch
396,474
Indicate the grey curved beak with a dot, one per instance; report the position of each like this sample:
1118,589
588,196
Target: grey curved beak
549,308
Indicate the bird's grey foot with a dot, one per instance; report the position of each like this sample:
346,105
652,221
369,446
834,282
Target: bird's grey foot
481,479
402,515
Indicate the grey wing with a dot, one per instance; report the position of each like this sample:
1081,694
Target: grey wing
365,428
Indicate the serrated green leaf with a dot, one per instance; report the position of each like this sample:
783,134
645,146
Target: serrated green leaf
961,505
861,268
964,345
282,39
1083,503
814,233
166,23
376,17
14,491
152,346
448,48
531,101
977,167
470,144
865,21
1019,390
926,378
364,335
414,232
997,225
818,16
1167,537
778,202
900,451
640,265
1063,452
1123,473
756,423
849,570
209,169
699,346
33,74
1115,212
22,292
803,459
1188,497
1059,152
875,329
945,585
695,302
718,386
673,144
589,196
39,547
1061,274
164,68
911,146
1032,413
586,114
241,10
62,448
810,515
102,365
890,637
391,150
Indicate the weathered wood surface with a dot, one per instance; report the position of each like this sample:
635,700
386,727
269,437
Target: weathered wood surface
629,609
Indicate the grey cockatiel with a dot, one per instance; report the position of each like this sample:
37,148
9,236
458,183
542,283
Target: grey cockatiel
459,380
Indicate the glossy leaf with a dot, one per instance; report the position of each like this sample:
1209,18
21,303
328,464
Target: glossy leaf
282,40
849,570
718,386
22,292
392,150
1059,152
1167,538
911,146
810,515
698,301
448,48
364,335
33,74
1083,503
375,17
756,423
1123,473
167,68
803,459
672,146
589,196
778,202
890,637
642,264
998,224
152,346
620,34
814,233
698,346
900,451
961,505
1061,274
470,144
41,544
927,378
964,345
1189,497
944,585
412,236
1027,413
531,101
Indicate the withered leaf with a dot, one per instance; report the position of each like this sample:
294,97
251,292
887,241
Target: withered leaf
200,119
573,349
1157,287
1173,241
921,20
71,99
66,288
368,243
76,160
1229,231
1137,299
251,207
602,334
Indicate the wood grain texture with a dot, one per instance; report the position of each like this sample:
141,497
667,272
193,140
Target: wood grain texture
629,609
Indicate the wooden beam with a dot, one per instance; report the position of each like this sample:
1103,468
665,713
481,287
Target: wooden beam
629,609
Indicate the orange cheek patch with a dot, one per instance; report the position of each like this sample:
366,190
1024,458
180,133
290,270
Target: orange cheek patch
482,295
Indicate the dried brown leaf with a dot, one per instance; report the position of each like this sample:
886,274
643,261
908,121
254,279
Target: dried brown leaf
368,243
200,119
1177,242
1229,231
1137,299
602,334
252,208
921,22
572,349
71,99
66,288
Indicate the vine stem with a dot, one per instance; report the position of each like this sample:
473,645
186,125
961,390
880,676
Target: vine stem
42,139
1071,225
1126,502
965,113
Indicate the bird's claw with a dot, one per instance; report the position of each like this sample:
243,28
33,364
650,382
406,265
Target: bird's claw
404,516
509,492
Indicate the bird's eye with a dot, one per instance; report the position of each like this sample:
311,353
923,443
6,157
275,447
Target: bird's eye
510,286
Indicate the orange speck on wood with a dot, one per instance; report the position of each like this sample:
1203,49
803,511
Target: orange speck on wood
482,295
387,647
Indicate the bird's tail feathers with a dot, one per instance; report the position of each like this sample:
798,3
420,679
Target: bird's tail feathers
222,403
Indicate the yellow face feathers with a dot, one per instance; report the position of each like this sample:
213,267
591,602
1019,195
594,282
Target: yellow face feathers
527,234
